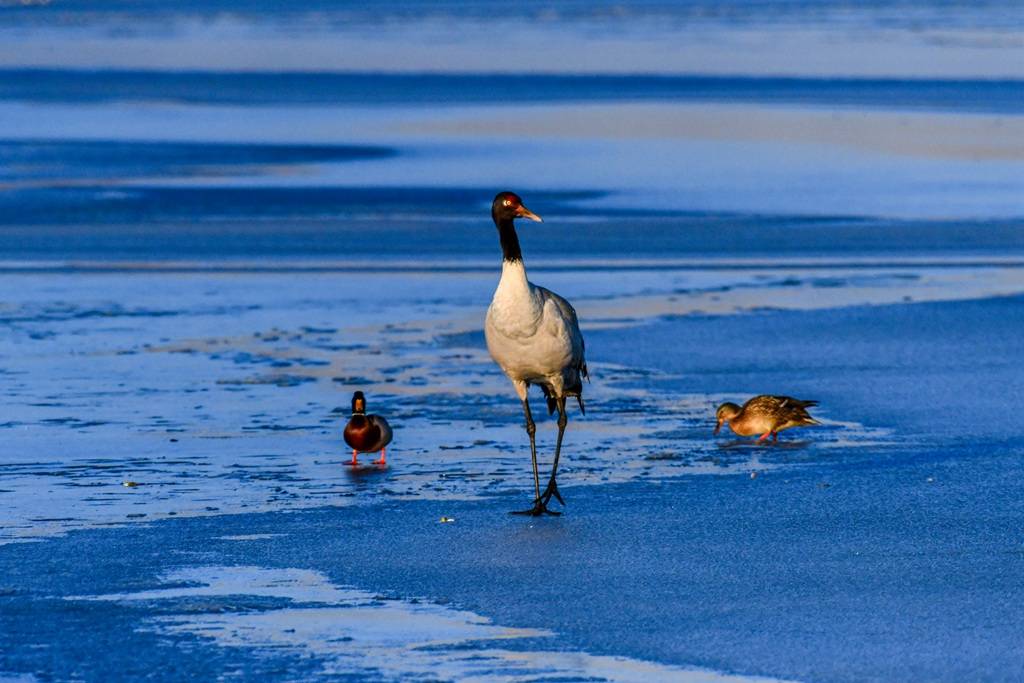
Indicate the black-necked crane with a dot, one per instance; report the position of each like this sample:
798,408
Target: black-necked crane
533,335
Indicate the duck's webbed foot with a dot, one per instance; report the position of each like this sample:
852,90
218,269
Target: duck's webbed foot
539,508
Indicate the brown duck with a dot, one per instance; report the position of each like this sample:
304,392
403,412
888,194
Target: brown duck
366,433
765,415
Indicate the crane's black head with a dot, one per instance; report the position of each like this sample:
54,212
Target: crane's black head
508,206
358,403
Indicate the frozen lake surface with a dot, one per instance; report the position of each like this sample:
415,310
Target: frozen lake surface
218,220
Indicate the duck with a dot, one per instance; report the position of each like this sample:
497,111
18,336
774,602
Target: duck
366,433
765,415
534,336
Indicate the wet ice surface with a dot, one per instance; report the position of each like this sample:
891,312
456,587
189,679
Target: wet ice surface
171,402
309,164
354,631
915,37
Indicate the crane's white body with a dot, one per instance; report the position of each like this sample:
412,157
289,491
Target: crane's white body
533,335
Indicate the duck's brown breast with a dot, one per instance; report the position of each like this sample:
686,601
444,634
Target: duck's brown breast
749,424
361,434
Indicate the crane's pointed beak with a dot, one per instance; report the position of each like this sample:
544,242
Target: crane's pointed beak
523,212
718,428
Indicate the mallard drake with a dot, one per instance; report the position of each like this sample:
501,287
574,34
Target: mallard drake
534,336
765,415
366,433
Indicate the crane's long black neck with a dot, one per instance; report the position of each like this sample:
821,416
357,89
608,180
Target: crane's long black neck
510,250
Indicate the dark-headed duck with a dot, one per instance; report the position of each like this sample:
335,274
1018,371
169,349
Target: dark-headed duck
366,433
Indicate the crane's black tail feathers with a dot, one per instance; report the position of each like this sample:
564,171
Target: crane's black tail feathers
553,402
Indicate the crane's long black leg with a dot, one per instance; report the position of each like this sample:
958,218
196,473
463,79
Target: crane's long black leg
531,429
552,489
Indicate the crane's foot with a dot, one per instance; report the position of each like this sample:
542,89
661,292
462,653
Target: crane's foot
539,508
551,490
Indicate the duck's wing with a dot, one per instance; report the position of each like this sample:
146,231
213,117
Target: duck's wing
784,402
384,429
763,405
795,410
789,401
